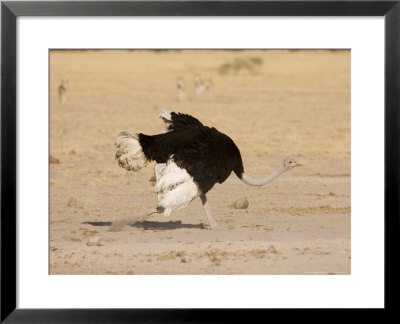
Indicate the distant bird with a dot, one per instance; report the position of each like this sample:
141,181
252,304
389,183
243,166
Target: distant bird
181,89
62,91
191,158
199,85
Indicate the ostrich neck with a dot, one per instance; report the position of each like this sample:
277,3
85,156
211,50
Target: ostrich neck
262,181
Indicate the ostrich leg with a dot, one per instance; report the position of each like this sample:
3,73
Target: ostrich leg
158,169
211,219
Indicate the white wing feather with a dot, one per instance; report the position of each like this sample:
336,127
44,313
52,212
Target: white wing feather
176,188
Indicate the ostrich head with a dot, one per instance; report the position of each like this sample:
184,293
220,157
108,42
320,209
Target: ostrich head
289,163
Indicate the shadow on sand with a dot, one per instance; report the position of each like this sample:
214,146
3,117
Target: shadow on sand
151,225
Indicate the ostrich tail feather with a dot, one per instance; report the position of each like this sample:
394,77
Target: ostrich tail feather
129,152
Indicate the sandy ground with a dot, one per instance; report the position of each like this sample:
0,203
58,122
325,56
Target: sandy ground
273,104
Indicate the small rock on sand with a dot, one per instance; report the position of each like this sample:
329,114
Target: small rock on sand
72,201
74,238
54,160
93,241
241,203
98,240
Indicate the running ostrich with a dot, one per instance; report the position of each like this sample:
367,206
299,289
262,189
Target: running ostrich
191,158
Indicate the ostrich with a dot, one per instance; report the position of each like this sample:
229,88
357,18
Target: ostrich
191,158
62,91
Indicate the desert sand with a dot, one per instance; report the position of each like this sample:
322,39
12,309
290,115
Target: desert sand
272,103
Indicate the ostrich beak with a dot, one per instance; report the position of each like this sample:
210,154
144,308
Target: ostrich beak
296,164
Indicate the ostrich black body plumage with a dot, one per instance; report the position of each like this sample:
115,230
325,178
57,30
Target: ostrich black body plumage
208,155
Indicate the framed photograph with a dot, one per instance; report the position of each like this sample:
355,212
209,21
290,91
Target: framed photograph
165,159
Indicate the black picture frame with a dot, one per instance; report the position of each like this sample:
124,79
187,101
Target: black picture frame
10,10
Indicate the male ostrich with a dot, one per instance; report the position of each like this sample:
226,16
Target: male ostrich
191,158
